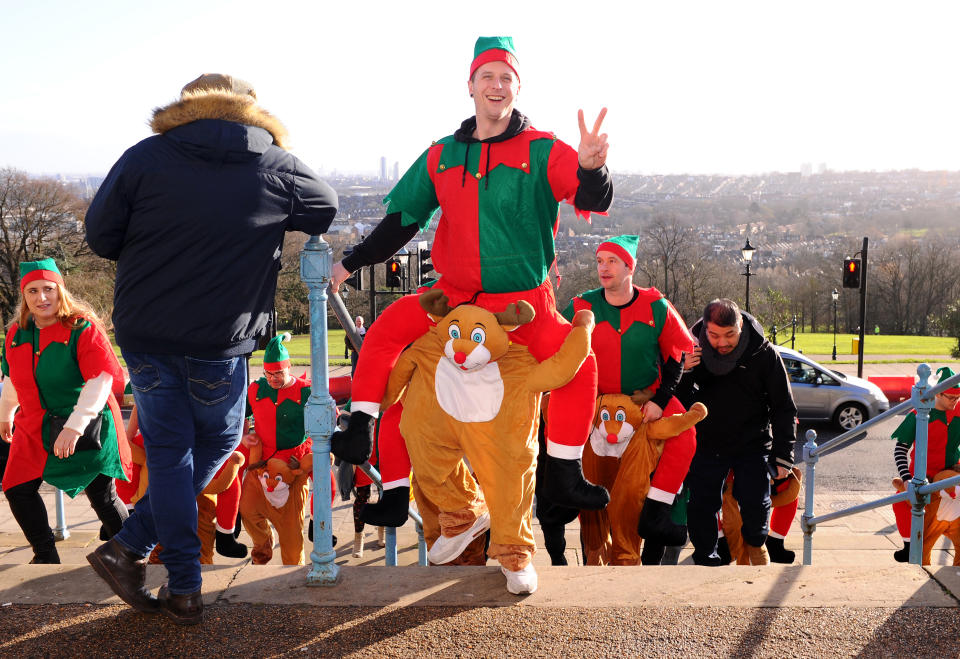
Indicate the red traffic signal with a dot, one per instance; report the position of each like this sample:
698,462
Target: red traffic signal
394,273
851,273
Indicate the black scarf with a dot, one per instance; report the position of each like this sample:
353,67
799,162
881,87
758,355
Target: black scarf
713,361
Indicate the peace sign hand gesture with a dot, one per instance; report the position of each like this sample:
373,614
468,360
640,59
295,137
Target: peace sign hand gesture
592,153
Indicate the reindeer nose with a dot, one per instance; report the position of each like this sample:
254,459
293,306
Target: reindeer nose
460,357
611,438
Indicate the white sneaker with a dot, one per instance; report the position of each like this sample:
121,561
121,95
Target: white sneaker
522,581
446,549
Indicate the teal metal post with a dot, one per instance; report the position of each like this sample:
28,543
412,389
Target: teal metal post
917,500
810,457
320,413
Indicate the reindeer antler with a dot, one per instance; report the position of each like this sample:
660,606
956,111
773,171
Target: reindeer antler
435,303
517,313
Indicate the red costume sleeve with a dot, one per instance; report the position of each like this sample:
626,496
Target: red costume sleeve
562,175
95,356
675,338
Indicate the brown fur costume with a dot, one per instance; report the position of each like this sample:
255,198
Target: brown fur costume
933,528
258,513
610,536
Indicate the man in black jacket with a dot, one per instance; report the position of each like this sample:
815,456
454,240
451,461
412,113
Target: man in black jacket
750,431
195,217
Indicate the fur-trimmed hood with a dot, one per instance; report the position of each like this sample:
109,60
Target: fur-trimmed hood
218,105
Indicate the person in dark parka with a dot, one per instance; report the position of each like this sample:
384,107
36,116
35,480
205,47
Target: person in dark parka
750,431
195,217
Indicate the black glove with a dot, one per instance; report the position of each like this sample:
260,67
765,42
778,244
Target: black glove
656,526
355,444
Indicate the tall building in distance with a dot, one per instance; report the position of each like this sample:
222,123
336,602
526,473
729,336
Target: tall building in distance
396,170
383,168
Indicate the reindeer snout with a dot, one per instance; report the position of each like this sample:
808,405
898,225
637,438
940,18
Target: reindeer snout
459,357
612,438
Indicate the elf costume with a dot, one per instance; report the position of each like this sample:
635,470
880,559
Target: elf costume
630,343
943,452
278,422
59,360
499,200
66,369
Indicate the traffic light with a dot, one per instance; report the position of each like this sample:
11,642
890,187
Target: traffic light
424,267
394,273
851,273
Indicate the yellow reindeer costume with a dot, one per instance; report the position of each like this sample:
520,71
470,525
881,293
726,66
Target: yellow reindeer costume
470,392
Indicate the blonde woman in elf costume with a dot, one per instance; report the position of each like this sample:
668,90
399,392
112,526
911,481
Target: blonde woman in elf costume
58,362
276,402
943,450
498,183
639,341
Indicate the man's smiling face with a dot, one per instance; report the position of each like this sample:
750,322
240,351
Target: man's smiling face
494,87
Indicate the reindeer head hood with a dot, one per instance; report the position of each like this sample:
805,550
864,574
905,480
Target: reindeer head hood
196,120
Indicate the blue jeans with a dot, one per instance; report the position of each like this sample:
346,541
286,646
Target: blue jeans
190,413
751,489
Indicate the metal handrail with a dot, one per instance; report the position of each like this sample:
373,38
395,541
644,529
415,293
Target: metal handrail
918,489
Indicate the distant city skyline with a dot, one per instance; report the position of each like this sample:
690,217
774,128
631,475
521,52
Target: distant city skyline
692,87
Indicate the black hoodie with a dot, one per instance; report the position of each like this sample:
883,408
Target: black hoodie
750,409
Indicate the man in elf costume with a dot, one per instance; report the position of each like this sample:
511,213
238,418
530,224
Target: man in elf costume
276,402
943,451
639,340
498,183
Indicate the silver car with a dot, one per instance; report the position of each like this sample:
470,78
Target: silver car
824,395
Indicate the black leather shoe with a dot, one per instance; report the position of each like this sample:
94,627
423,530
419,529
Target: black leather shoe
182,609
125,573
390,510
565,485
355,444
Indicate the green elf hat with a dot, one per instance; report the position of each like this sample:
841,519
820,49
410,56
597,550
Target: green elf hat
43,269
945,373
623,246
276,357
494,49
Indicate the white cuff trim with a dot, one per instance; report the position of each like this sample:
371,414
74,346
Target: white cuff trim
373,409
93,396
563,451
774,534
220,529
392,485
8,401
657,494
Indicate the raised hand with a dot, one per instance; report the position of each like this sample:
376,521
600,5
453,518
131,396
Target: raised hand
592,153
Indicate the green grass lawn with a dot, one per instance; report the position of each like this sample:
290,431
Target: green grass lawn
810,343
883,344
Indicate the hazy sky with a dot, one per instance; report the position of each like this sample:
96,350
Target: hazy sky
698,87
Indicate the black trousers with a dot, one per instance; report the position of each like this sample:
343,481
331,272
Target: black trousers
751,489
28,509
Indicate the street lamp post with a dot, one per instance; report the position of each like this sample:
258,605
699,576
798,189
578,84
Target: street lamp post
747,252
836,296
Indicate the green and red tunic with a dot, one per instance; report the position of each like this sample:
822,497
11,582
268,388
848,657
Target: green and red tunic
65,358
278,418
631,341
943,439
493,237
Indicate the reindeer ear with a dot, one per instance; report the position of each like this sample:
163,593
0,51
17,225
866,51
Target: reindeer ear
516,314
435,303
